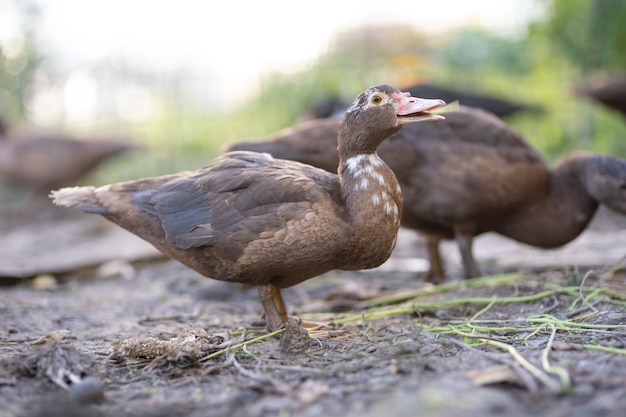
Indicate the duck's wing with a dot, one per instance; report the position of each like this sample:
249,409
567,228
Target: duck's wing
239,198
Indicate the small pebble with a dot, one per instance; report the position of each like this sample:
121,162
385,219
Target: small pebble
88,391
44,282
116,268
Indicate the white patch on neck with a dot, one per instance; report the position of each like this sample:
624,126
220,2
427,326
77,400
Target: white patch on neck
369,161
364,166
375,160
353,163
363,185
378,177
363,169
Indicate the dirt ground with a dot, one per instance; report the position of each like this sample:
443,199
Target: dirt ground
131,338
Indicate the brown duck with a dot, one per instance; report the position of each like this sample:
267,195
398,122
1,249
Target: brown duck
610,92
250,218
471,174
43,161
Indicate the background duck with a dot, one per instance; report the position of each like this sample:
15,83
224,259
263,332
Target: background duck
471,173
610,92
42,160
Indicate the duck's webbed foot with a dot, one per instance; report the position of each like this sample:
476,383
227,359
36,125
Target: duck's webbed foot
295,339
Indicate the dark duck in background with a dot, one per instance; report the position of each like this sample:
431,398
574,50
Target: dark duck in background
253,219
610,92
41,160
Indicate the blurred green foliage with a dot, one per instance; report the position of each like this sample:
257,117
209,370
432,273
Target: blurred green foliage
21,61
589,33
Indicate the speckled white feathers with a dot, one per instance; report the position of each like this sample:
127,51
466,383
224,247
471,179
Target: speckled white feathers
363,168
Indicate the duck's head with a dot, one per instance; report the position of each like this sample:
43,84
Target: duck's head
378,113
604,178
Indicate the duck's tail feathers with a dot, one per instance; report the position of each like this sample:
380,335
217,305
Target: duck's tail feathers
82,198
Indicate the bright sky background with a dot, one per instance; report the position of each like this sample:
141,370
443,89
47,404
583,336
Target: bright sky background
232,42
245,36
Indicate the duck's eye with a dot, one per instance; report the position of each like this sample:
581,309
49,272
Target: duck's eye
376,99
